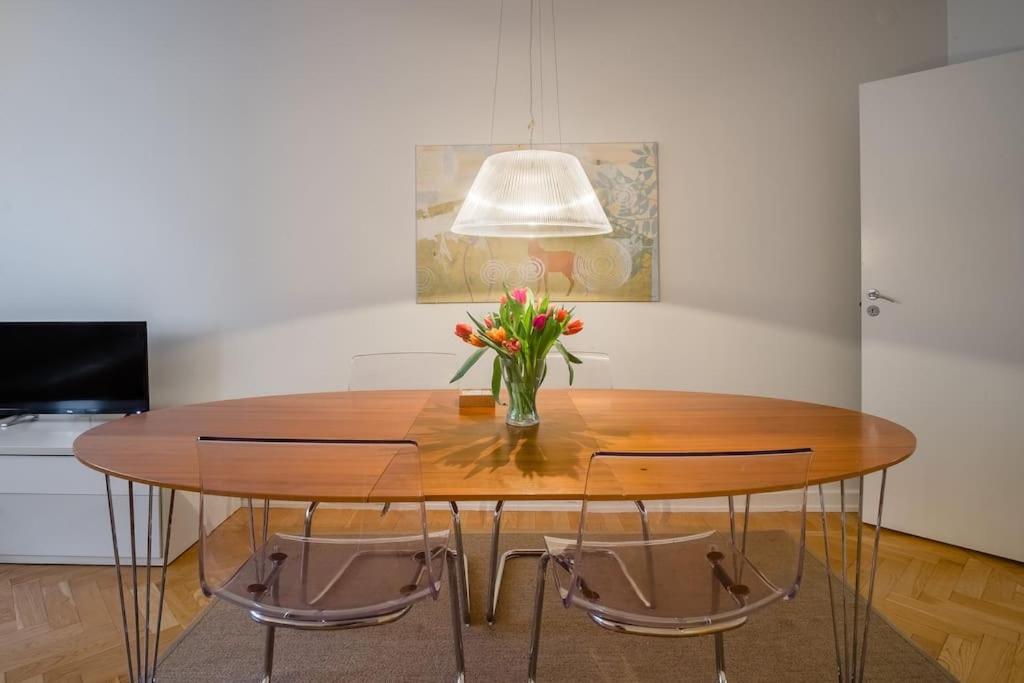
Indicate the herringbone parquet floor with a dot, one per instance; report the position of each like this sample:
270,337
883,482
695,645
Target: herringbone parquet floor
62,623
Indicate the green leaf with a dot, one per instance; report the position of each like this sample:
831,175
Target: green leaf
470,362
496,380
476,322
487,340
568,356
479,327
569,360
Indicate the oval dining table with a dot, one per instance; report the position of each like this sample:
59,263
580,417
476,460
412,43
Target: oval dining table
470,454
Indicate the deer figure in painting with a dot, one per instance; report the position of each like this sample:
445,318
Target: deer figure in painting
555,261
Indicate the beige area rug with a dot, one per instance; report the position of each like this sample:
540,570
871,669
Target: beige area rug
784,642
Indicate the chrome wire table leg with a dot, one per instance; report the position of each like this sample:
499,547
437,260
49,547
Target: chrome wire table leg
851,652
141,660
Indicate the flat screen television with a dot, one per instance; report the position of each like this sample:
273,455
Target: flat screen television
73,367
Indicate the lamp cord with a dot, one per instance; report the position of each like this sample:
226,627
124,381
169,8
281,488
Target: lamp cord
531,126
558,93
497,64
540,70
554,47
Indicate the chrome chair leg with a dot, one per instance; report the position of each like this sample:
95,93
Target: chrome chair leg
462,567
454,600
311,508
851,652
494,585
308,527
720,657
498,560
646,527
268,654
538,611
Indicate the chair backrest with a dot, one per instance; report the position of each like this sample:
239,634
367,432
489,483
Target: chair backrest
594,373
266,558
404,370
689,565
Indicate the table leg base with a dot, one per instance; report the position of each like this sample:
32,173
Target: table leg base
849,636
141,659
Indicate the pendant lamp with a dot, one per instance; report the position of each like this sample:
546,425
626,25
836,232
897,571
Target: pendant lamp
531,192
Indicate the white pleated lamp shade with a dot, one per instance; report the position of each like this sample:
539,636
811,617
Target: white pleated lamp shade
531,193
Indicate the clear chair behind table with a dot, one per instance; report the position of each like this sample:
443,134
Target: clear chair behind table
358,570
404,370
594,373
686,574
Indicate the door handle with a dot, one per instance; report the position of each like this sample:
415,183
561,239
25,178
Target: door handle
875,295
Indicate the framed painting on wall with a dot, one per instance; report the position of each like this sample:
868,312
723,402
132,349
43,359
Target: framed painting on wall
621,266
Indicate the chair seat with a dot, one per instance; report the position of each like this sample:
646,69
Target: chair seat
672,586
335,581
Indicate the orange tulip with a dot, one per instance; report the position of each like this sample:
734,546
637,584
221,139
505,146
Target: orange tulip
463,331
476,341
561,314
497,335
503,300
574,327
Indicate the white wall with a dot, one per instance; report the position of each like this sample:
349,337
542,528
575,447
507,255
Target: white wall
240,174
982,28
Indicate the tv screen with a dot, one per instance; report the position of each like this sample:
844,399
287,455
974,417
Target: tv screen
76,367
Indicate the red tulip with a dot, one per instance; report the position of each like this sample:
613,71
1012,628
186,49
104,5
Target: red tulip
539,322
503,300
488,322
512,346
561,314
574,327
463,331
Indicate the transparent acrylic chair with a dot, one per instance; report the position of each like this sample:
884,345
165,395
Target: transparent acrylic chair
402,370
358,571
690,576
594,373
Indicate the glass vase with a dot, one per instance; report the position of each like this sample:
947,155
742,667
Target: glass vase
521,383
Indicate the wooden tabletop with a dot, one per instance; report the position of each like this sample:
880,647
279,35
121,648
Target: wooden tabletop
475,456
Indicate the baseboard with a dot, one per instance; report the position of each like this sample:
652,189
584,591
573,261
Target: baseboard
74,559
769,502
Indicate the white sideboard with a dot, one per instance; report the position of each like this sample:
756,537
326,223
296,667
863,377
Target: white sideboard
53,509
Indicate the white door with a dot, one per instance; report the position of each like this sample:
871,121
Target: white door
942,221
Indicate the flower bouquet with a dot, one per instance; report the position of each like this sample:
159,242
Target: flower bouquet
521,333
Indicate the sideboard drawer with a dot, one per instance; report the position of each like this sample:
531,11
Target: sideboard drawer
71,528
59,474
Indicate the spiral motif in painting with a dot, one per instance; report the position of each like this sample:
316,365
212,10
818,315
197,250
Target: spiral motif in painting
602,263
493,273
531,270
425,279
